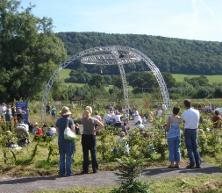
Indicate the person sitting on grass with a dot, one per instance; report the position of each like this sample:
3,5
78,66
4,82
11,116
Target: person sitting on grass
117,119
22,131
51,131
39,133
216,119
173,138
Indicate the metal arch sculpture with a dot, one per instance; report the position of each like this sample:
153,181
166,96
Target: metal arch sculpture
109,55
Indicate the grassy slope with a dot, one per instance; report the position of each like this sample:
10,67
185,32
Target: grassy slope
211,78
65,74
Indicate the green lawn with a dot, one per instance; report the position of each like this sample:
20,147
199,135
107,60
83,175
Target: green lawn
211,78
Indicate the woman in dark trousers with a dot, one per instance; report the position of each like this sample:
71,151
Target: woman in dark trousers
89,139
66,147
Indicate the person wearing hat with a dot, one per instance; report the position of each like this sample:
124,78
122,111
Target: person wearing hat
89,139
66,147
89,108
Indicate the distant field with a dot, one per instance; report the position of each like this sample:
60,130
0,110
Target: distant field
179,77
64,74
211,78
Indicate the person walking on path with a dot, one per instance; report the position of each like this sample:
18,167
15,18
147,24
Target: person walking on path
90,126
173,138
66,147
191,118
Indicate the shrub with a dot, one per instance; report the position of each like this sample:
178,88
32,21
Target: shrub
129,170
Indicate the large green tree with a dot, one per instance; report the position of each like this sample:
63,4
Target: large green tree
29,51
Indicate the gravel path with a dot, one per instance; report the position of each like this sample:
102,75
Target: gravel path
102,178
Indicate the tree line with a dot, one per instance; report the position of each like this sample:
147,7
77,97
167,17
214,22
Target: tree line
139,82
169,54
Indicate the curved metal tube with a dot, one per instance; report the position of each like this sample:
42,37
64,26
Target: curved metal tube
109,55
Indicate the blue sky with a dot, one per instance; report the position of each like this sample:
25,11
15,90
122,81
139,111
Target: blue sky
188,19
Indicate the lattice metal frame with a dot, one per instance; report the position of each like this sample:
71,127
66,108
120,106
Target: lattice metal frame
109,55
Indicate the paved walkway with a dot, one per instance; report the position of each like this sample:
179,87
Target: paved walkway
103,178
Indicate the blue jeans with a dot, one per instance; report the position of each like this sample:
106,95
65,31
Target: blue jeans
66,150
192,146
174,149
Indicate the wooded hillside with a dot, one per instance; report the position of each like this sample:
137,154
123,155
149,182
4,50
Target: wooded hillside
169,54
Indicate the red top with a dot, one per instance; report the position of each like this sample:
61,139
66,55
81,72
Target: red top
39,132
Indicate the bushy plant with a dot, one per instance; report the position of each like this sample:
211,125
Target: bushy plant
160,143
107,144
129,170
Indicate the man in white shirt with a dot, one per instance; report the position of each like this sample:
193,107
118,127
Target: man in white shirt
191,118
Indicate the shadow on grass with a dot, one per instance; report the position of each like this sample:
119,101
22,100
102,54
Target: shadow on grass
169,171
28,179
206,170
156,171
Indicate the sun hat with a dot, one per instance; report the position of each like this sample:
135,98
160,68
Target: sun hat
89,108
65,111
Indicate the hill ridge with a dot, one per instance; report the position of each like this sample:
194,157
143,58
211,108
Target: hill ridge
169,54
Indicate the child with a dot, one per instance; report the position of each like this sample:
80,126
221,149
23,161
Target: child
39,133
173,138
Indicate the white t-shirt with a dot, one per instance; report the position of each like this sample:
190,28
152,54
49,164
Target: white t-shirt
137,119
191,118
22,126
117,118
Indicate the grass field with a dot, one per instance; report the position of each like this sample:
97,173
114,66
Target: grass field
179,77
211,78
64,74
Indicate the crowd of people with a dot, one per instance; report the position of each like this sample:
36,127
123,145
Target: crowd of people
93,122
15,119
121,119
190,120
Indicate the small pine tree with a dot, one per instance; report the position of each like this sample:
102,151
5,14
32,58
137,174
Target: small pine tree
129,170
